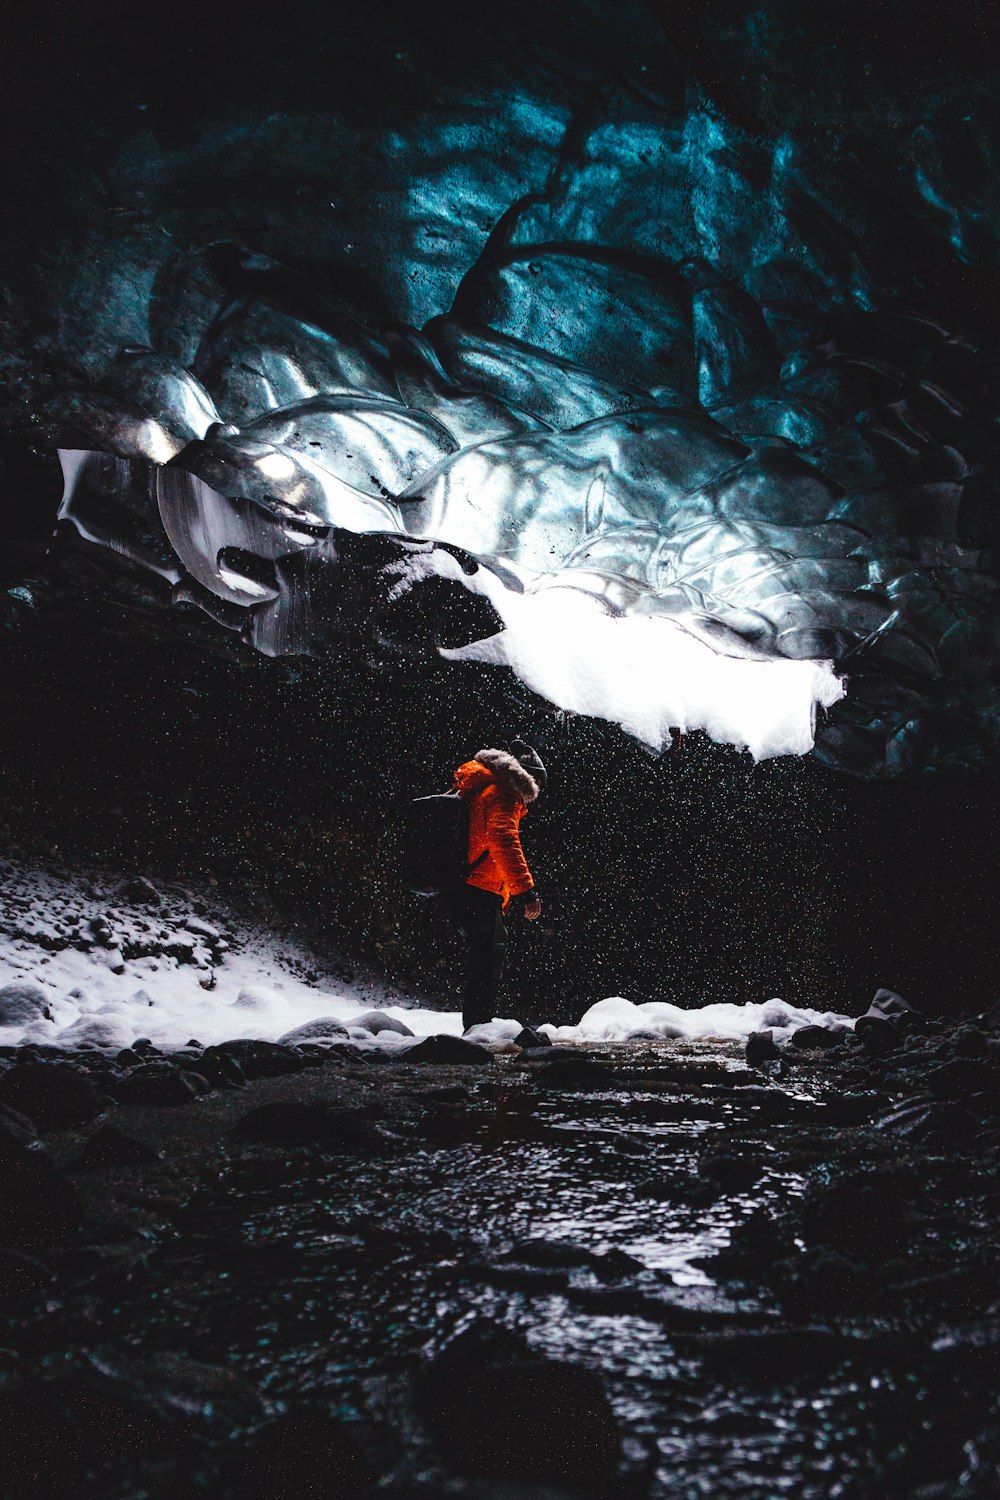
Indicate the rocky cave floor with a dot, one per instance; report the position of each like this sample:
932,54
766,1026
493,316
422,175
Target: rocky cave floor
640,1268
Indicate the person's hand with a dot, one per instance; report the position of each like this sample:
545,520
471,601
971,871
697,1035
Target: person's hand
532,909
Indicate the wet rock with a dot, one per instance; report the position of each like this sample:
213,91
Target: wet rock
305,1453
139,891
864,1215
22,1128
732,1170
324,1026
21,1274
876,1034
530,1041
98,1411
888,1006
849,1109
110,1147
564,1254
498,1411
761,1048
679,1187
53,1095
984,1106
220,1071
377,1021
990,1019
961,1077
446,1049
969,1041
39,1203
822,1278
923,1121
816,1038
259,1059
773,1354
570,1069
293,1123
22,1002
350,1052
158,1083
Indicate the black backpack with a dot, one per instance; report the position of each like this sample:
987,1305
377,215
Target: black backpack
436,843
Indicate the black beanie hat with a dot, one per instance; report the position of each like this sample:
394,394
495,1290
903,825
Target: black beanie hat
531,761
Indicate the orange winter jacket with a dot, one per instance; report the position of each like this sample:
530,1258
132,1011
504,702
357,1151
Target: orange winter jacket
498,790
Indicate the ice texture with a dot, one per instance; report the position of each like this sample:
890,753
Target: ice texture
654,387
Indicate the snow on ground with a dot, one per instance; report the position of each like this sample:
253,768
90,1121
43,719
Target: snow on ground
116,961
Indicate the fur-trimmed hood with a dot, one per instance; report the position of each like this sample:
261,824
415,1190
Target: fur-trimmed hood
506,767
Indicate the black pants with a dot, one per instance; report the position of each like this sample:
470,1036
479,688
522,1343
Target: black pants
478,916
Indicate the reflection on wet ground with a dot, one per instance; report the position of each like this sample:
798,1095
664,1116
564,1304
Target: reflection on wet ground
587,1218
624,1212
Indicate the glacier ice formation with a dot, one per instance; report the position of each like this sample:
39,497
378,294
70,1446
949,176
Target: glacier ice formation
692,556
622,336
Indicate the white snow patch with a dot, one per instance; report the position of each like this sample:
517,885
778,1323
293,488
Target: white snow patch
257,988
617,1019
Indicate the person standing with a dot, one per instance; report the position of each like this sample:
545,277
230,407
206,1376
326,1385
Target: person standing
498,786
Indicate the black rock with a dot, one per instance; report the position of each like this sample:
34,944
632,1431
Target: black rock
496,1410
570,1068
990,1019
849,1109
888,1006
732,1170
40,1203
530,1041
59,1425
923,1121
113,1148
446,1049
820,1279
53,1095
877,1034
863,1216
22,1002
259,1059
303,1455
761,1048
23,1128
969,1041
351,1052
291,1123
961,1077
140,891
158,1083
811,1038
21,1274
220,1071
984,1106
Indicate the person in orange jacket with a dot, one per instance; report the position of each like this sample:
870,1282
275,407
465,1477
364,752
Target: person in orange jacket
499,786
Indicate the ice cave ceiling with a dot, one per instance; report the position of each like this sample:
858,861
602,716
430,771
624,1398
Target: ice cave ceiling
687,309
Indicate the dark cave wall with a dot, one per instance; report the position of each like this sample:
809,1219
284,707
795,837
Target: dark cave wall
690,878
844,155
